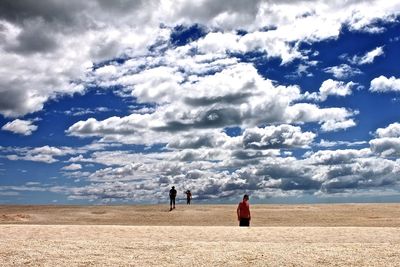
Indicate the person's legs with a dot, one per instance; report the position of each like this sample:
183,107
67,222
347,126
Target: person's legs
170,203
173,202
244,222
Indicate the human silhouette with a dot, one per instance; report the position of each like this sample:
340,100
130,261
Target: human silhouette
172,196
243,212
188,197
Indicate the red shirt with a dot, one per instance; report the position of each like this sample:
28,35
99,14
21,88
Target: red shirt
244,209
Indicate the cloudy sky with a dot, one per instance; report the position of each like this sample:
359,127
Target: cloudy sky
116,101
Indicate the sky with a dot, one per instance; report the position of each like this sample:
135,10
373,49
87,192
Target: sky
113,102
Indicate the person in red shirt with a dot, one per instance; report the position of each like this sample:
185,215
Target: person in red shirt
243,212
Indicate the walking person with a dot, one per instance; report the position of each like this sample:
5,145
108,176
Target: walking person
172,196
243,212
188,197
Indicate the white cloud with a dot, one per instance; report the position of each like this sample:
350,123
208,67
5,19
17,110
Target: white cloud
188,95
334,157
44,154
72,167
387,142
240,97
331,87
369,57
383,84
393,130
326,143
332,125
343,71
85,111
51,154
17,126
386,146
281,136
42,59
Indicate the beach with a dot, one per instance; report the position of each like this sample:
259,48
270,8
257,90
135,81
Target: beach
200,235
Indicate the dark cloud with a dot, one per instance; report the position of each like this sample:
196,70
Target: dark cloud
247,10
342,183
247,154
192,141
51,11
214,118
11,100
122,6
302,184
236,98
34,38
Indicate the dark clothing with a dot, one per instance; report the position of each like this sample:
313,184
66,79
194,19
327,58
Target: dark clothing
172,201
244,222
172,196
188,197
172,193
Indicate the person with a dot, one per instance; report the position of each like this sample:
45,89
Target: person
172,196
243,212
188,197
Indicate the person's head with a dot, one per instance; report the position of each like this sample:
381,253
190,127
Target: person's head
246,197
173,187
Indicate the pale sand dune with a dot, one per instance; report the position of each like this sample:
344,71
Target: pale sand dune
281,235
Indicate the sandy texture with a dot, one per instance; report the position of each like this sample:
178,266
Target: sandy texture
78,245
280,235
377,215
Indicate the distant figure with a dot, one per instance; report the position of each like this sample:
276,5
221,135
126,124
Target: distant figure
188,197
172,196
243,212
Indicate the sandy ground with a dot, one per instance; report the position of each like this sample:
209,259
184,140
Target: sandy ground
377,215
280,235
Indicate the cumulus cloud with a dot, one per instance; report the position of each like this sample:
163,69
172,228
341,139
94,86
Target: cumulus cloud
334,157
387,141
383,84
51,154
72,167
343,71
44,154
386,146
392,130
188,95
240,97
369,57
329,172
282,136
331,87
17,126
41,59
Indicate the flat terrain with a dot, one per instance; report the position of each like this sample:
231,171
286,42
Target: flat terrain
280,235
377,215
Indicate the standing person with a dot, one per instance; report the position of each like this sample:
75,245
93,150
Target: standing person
243,212
188,197
172,196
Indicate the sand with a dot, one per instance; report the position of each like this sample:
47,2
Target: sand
280,235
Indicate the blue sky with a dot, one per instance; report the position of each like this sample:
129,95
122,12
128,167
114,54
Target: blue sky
115,102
